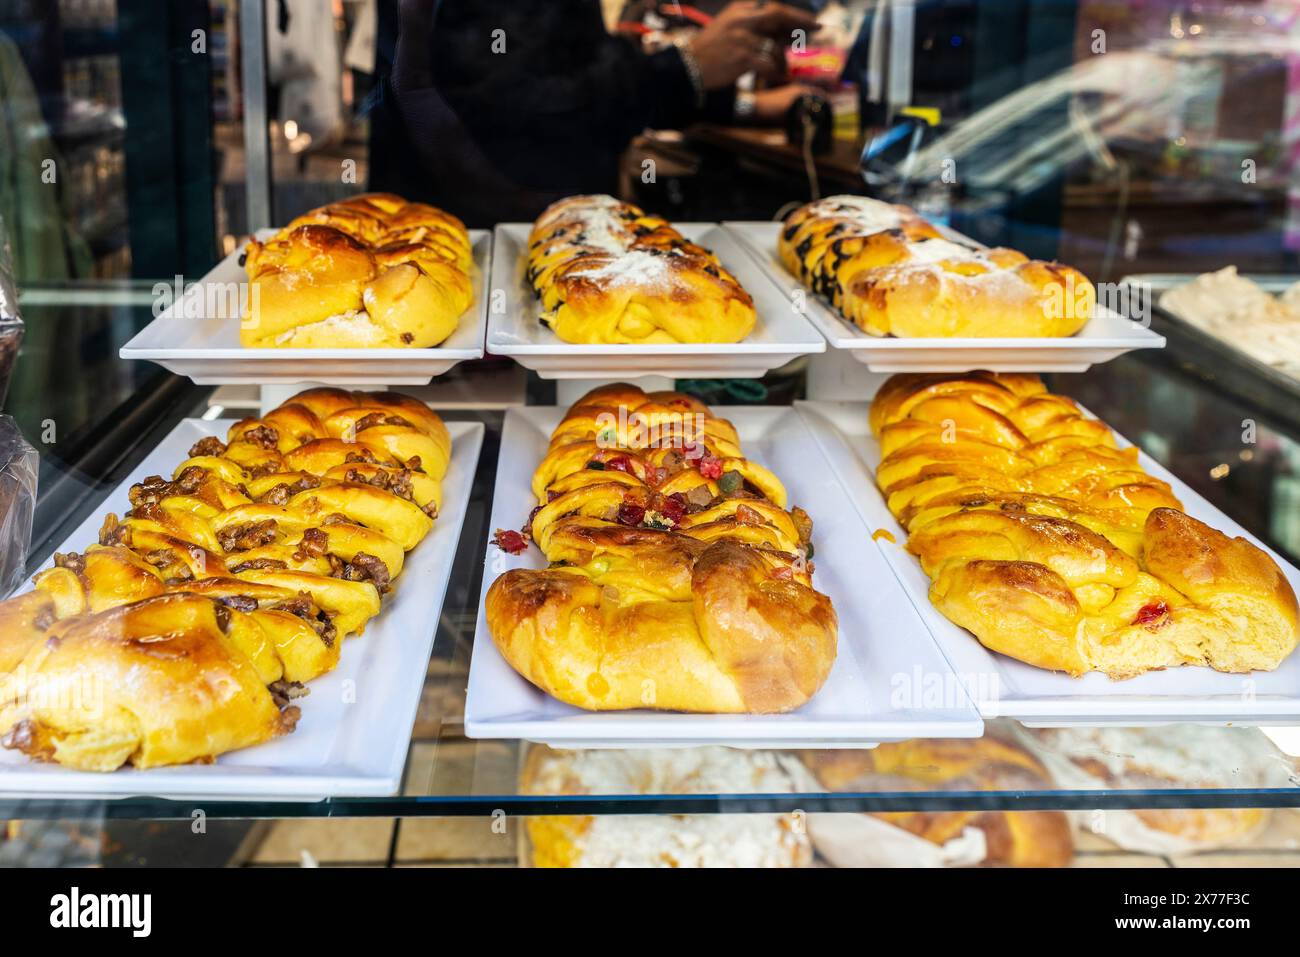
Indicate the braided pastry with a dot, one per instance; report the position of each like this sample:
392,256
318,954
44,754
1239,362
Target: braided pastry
678,579
990,763
1053,546
606,272
373,271
889,272
187,630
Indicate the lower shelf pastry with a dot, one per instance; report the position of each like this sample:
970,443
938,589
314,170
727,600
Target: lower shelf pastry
1173,757
607,272
1053,546
1243,315
890,272
662,840
373,271
191,626
968,837
678,579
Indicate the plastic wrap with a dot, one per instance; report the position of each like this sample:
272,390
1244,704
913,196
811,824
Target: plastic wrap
18,460
18,467
11,323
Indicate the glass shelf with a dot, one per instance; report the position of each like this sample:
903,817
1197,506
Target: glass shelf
449,775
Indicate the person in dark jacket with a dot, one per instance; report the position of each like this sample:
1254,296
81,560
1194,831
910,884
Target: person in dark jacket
496,108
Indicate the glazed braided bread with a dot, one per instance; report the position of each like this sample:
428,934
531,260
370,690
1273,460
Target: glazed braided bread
890,272
199,612
373,271
678,579
1053,546
606,272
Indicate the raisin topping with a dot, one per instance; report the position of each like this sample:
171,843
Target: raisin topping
283,692
365,567
210,445
73,561
314,543
259,564
381,418
240,538
222,614
244,603
112,532
280,494
263,436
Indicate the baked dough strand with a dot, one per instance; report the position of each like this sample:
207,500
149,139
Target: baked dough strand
189,628
678,580
606,272
890,272
1053,546
373,271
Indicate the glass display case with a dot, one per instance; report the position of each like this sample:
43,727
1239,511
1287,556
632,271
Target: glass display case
175,131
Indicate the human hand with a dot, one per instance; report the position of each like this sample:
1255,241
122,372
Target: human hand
771,106
747,35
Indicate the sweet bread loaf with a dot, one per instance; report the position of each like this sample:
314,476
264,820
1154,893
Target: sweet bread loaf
194,621
606,272
890,272
1167,758
1006,838
678,580
1053,546
373,271
662,840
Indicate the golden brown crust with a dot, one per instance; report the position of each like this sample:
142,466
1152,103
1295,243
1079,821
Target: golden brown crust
290,531
606,272
369,272
680,582
152,683
1013,838
1053,546
891,273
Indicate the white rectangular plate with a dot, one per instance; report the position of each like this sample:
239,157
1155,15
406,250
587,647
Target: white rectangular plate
339,748
877,689
206,348
1004,687
1106,336
779,336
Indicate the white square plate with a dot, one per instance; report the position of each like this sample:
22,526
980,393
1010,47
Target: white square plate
779,336
356,723
207,350
1005,687
1106,336
889,681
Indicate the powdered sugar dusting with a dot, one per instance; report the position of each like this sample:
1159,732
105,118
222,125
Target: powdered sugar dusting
938,250
868,215
635,267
